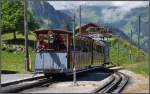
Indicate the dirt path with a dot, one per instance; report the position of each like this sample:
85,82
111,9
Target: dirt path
137,83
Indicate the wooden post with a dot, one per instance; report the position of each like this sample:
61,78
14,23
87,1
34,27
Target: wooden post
68,50
139,34
80,33
80,19
74,45
148,50
74,60
30,63
92,51
0,38
130,52
26,37
118,49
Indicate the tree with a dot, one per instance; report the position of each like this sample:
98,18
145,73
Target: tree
13,17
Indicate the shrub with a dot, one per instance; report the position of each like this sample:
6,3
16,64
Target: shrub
3,48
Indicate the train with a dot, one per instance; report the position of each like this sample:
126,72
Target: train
58,51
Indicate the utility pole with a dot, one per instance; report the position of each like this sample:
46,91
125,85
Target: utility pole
139,32
149,49
80,18
74,65
118,48
26,37
80,33
74,32
130,52
74,69
0,37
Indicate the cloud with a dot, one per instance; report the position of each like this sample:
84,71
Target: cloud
72,4
108,14
113,15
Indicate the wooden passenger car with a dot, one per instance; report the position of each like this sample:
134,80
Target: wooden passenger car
55,53
52,50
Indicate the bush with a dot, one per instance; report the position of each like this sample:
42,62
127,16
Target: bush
10,49
3,48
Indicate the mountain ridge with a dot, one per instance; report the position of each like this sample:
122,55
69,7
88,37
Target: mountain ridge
49,17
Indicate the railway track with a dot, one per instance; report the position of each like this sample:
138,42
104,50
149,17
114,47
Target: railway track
20,85
25,85
114,85
22,80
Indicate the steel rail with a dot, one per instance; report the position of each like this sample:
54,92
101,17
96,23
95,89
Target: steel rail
43,81
18,88
20,85
104,85
113,86
22,80
41,77
122,83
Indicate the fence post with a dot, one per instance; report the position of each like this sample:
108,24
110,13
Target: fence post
26,37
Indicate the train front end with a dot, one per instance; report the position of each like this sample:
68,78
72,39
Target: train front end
52,51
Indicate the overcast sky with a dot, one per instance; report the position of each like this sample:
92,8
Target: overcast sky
70,4
107,14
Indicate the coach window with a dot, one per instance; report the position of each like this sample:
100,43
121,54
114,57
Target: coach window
100,50
46,41
90,45
50,39
85,47
59,43
41,42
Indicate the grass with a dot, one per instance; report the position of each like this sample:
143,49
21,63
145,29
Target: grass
10,36
15,61
138,62
139,68
12,61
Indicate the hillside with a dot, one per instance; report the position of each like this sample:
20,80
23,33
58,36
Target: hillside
128,56
46,15
122,21
12,60
138,63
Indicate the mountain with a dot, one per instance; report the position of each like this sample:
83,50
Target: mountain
132,22
120,19
47,16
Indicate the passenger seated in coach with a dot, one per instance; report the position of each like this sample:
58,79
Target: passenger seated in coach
41,43
50,40
58,43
